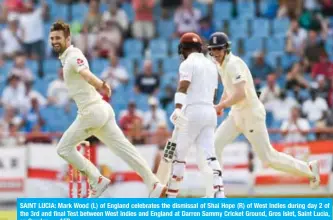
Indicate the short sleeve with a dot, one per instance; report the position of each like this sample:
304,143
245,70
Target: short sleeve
185,72
79,62
236,71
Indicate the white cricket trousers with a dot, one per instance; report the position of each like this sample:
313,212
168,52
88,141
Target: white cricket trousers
199,131
98,119
251,122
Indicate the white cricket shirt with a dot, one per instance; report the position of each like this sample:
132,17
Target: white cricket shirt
202,73
73,61
234,70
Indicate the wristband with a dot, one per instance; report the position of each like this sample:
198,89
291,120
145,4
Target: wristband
180,98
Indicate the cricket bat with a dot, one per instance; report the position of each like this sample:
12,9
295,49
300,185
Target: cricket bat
164,168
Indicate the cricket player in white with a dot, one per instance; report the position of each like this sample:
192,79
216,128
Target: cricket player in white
194,116
248,114
95,117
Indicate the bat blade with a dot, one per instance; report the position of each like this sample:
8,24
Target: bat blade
164,168
164,171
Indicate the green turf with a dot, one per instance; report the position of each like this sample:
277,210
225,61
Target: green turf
7,215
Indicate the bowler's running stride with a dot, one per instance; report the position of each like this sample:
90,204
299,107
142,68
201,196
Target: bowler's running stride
194,116
95,117
248,114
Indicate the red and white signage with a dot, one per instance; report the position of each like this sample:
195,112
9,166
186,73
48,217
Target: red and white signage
13,169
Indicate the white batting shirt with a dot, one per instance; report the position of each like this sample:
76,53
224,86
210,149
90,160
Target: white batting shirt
73,61
202,73
234,70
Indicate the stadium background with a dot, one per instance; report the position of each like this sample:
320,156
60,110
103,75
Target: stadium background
133,45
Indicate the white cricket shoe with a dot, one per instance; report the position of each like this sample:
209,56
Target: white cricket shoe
315,181
159,191
219,194
101,185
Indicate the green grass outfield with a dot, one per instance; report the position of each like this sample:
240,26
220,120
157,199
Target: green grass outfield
7,215
11,215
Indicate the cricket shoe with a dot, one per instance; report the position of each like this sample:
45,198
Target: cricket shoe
159,191
315,180
97,189
219,193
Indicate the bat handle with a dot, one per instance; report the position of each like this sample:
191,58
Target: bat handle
170,147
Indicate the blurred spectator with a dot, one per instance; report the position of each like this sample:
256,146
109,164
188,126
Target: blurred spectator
154,115
115,74
116,14
291,9
259,68
127,117
14,93
31,94
3,13
313,48
295,129
135,133
330,94
323,67
295,80
57,93
161,135
327,7
311,5
93,18
314,107
205,28
187,18
143,26
10,116
168,96
296,37
321,86
271,91
86,41
10,40
168,7
32,120
11,9
310,20
109,39
147,83
31,27
12,137
287,102
324,123
20,69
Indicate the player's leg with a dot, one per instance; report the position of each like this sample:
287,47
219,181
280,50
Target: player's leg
66,149
87,122
111,135
205,141
206,171
224,135
185,138
257,134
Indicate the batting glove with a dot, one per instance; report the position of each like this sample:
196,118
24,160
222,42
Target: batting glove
178,119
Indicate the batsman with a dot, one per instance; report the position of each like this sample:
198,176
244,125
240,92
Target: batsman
194,116
247,114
